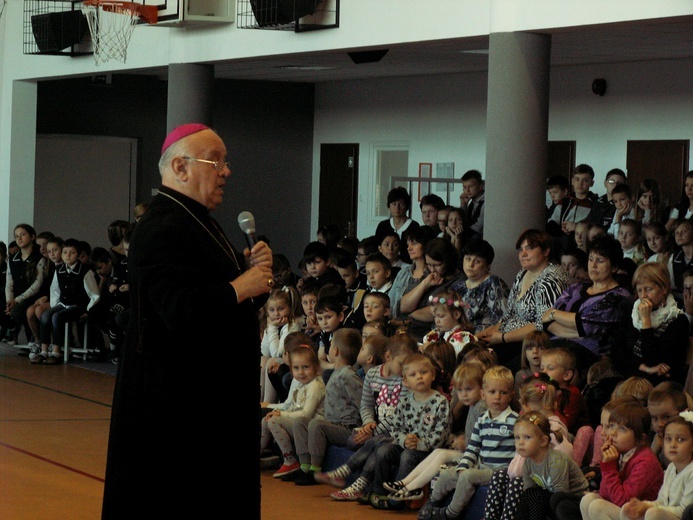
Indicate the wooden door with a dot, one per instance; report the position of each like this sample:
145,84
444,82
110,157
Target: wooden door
666,161
339,186
561,158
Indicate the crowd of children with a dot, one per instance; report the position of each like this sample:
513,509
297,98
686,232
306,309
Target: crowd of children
49,282
439,417
432,417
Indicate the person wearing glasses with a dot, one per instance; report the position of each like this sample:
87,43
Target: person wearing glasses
193,325
603,209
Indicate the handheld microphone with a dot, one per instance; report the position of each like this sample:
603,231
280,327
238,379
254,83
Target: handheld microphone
247,223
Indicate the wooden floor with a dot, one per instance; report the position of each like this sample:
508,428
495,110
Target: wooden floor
287,501
54,424
53,434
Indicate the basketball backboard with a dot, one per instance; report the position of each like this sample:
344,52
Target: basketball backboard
194,12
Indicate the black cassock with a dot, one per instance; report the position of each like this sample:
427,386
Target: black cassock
186,402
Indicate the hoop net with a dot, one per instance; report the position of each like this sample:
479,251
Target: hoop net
111,24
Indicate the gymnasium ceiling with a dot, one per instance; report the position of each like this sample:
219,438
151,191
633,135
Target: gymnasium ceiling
662,39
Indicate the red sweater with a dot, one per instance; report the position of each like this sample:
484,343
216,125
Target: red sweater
575,410
641,477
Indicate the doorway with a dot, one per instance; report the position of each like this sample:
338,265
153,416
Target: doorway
666,161
339,173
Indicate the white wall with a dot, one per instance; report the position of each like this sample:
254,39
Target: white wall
443,117
457,136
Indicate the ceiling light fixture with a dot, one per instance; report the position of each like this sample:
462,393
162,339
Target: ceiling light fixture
475,51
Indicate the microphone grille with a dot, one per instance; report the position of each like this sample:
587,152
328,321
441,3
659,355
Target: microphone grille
247,222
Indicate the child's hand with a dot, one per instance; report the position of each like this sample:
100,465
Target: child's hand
609,451
635,508
311,322
411,441
273,413
364,433
280,321
459,443
112,288
568,227
624,210
272,365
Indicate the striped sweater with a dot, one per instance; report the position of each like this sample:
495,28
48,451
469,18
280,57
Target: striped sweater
492,442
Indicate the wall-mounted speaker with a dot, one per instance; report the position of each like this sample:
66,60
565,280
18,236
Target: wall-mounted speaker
599,86
280,12
54,32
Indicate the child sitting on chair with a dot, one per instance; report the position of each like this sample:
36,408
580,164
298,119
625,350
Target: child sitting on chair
73,292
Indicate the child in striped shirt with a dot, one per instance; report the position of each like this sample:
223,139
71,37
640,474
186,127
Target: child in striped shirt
491,447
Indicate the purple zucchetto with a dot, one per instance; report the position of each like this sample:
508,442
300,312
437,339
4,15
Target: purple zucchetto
180,132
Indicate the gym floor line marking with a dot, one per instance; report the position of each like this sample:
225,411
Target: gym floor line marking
68,394
49,461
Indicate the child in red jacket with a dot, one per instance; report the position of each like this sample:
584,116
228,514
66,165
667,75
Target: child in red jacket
629,467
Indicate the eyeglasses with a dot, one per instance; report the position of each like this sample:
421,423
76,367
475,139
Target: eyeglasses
218,165
612,181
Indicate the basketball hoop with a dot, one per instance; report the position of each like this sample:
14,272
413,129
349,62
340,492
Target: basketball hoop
111,24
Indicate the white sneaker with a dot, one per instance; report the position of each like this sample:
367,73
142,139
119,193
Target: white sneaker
34,349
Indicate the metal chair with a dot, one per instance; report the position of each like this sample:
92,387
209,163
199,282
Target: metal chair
83,349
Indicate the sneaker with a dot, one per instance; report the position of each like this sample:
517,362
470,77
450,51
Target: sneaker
40,359
405,494
34,350
347,494
54,359
394,486
353,492
427,508
383,502
114,356
307,478
439,513
287,468
329,478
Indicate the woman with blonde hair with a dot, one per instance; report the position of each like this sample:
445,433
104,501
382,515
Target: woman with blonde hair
653,340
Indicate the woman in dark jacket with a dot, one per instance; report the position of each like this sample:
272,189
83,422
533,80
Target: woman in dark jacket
652,339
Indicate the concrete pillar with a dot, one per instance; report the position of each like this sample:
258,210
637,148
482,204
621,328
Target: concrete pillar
17,184
517,120
190,94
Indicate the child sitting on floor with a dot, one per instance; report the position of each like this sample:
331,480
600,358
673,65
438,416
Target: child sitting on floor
677,490
382,390
306,399
450,321
342,401
467,380
490,448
